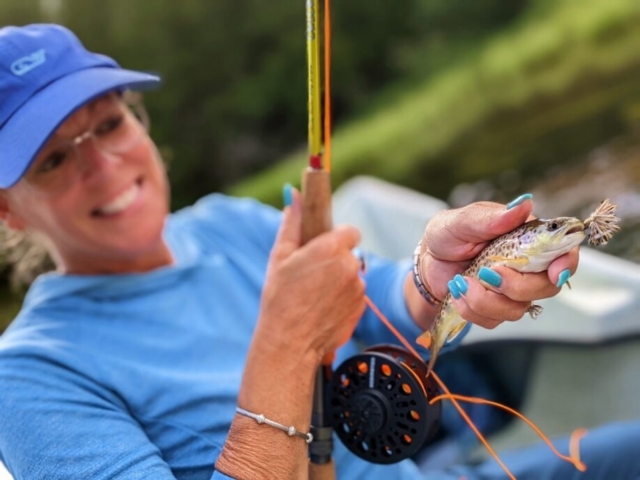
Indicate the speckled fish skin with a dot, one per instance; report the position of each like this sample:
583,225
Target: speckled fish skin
529,248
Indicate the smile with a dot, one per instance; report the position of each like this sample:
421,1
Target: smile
120,203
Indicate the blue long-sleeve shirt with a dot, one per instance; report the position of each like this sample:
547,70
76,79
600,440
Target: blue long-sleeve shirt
136,376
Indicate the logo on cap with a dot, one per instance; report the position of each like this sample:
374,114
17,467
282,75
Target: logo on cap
26,64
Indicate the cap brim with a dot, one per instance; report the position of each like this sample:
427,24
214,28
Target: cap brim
24,134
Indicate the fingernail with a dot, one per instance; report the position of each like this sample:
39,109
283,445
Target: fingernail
489,276
453,288
564,276
461,283
519,200
287,194
363,260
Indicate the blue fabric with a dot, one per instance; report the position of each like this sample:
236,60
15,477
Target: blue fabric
609,453
136,376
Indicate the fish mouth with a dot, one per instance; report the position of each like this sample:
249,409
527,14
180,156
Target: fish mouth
575,229
572,225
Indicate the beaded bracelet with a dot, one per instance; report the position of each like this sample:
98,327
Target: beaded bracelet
291,431
417,279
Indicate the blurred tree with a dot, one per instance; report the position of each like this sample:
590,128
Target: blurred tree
235,89
18,12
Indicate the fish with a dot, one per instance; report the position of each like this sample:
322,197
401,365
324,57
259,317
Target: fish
529,248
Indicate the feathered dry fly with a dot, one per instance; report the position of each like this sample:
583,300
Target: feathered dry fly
602,223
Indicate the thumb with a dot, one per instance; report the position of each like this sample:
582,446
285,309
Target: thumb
484,221
289,236
515,214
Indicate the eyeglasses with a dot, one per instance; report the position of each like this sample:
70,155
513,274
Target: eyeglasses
117,129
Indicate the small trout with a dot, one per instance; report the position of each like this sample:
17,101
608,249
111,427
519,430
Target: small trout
529,248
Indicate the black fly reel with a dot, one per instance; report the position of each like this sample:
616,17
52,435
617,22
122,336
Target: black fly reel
378,404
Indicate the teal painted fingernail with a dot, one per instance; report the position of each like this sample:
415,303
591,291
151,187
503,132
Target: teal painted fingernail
489,276
519,200
453,288
287,194
564,276
461,284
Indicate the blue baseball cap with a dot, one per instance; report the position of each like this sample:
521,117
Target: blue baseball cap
45,75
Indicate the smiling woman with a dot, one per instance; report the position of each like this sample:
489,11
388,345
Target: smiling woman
134,358
96,192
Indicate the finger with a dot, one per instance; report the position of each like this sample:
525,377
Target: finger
489,304
521,287
289,235
564,267
463,309
348,236
485,221
341,239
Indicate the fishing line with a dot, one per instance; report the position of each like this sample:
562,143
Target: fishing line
574,457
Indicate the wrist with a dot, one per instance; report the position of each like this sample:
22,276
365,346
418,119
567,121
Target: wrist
280,347
419,278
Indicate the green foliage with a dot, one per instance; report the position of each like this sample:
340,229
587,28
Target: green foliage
234,96
545,90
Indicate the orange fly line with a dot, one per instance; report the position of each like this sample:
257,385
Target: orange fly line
574,457
574,452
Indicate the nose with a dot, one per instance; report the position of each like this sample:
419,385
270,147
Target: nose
94,160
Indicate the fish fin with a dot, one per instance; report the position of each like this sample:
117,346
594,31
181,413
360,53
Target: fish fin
432,362
455,331
425,340
518,261
534,310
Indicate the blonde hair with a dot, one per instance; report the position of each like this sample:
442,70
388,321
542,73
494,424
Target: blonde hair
23,256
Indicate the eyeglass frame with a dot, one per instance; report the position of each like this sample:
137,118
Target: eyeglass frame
133,106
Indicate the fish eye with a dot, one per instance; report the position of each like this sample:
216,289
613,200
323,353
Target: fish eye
553,226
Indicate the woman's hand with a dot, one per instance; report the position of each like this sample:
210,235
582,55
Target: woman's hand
455,237
313,295
312,300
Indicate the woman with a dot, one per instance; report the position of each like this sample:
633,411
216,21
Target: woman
129,361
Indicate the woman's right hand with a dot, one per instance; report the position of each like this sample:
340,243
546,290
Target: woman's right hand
313,295
311,302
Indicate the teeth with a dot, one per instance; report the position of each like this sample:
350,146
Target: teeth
121,203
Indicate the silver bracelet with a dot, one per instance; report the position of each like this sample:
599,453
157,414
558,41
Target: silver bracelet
417,279
291,431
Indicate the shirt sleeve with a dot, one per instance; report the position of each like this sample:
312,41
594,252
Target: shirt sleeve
385,287
57,424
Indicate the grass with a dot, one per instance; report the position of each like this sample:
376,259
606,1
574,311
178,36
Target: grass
576,59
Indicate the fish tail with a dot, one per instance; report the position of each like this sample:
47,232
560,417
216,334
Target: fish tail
432,361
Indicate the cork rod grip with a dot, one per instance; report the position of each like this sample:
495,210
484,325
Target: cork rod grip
316,204
316,219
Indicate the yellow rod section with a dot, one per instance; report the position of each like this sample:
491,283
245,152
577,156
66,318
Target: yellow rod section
313,78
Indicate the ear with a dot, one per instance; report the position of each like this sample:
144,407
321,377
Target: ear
9,218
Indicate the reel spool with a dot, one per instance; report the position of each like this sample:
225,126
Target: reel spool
378,404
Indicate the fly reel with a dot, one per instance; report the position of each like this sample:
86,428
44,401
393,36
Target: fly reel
378,404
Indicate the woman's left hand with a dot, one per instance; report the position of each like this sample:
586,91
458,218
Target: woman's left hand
455,237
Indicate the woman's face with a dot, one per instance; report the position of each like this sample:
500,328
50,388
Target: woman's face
101,204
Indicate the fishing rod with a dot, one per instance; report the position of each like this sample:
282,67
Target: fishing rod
376,401
316,219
